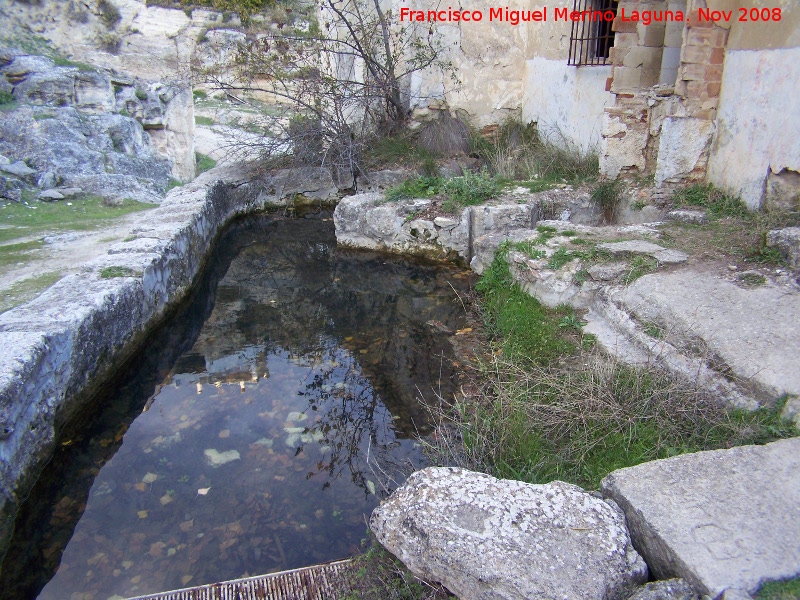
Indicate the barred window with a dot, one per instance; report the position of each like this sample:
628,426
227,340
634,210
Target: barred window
592,36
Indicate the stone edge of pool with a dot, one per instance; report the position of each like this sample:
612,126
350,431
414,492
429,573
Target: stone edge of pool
57,350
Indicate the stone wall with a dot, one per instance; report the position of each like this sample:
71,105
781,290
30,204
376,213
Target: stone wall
57,350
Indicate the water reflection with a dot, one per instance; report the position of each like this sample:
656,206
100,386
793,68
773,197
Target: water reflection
270,438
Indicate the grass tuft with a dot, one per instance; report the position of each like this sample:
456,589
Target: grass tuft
786,589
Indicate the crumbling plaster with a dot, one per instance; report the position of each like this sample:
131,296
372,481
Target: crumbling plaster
757,122
567,102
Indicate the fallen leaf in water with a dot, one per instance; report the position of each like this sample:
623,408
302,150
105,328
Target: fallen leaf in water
149,478
165,499
371,487
349,338
127,564
203,491
186,526
463,331
225,433
156,549
142,487
142,514
186,579
136,579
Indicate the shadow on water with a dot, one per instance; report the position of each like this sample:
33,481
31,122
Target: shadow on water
257,429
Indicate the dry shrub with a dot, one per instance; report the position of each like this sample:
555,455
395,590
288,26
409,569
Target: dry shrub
445,136
538,424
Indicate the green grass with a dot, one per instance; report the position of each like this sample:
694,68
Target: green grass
607,195
640,265
787,589
421,187
84,214
523,326
26,290
111,272
715,201
11,254
6,97
199,120
470,189
203,163
553,408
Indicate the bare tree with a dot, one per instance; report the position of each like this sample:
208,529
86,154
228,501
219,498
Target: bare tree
343,79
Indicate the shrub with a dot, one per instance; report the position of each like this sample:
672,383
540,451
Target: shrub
109,13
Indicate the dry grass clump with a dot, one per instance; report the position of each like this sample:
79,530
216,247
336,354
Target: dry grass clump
519,152
540,423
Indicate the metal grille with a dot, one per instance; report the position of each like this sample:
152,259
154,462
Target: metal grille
319,582
592,36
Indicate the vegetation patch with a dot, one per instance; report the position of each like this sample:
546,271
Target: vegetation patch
200,120
111,272
421,187
377,575
12,254
203,163
607,195
470,189
26,290
23,219
551,407
732,233
6,97
787,589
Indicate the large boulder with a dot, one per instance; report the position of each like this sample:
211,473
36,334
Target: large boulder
489,538
722,520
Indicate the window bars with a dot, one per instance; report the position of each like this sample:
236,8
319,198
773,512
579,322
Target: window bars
592,36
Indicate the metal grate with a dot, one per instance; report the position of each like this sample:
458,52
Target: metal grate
319,582
592,35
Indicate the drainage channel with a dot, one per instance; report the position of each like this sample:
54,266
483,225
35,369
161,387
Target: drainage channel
317,582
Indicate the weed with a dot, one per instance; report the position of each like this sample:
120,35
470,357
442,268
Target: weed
568,233
141,94
560,257
199,120
640,265
111,272
581,276
472,188
377,575
528,247
203,163
752,279
786,589
715,201
571,321
607,195
109,13
539,424
519,151
653,330
6,97
199,94
421,187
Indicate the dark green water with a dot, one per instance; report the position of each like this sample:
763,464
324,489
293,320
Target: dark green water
256,432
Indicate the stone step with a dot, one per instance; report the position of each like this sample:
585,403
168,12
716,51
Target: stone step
723,519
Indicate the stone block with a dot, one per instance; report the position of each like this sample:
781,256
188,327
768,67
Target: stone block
786,240
489,538
696,54
626,78
721,519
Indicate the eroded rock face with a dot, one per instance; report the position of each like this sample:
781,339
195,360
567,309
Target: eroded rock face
489,538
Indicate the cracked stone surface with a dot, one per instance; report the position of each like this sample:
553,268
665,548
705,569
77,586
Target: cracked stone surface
489,538
722,520
661,254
